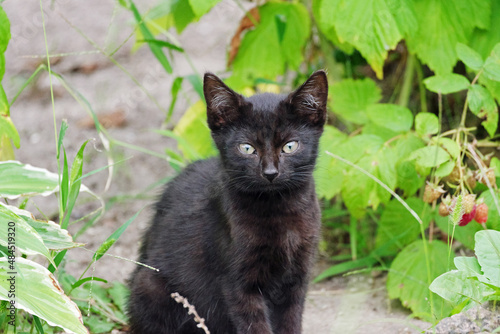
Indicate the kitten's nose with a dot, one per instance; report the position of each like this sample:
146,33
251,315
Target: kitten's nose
270,173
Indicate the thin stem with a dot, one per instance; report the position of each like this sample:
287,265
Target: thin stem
353,233
406,90
421,87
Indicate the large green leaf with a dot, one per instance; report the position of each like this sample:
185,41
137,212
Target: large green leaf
369,26
53,236
328,173
426,124
17,180
488,254
492,64
483,40
351,98
38,292
391,116
16,231
482,104
196,140
411,274
446,83
267,50
398,224
323,13
441,25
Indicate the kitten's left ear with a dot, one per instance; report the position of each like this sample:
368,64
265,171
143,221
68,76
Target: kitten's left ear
309,100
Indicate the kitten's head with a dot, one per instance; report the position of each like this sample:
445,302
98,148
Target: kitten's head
267,142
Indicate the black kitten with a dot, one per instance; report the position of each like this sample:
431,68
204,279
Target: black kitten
237,234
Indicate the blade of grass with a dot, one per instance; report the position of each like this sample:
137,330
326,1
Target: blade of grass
163,44
38,324
157,50
176,86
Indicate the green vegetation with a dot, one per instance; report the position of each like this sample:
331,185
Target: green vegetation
407,159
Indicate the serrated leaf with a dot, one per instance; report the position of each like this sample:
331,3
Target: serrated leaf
469,57
357,187
445,169
391,116
323,12
482,104
17,180
492,64
446,83
430,156
351,98
39,293
261,54
373,30
193,128
397,223
409,275
426,124
441,25
488,254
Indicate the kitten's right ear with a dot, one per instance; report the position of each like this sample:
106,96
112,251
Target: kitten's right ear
222,102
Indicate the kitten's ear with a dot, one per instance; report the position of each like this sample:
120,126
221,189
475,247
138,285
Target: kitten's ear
309,100
222,102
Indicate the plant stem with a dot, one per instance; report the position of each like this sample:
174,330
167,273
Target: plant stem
353,233
404,96
421,87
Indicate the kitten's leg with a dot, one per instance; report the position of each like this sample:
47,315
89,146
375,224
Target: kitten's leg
247,309
288,309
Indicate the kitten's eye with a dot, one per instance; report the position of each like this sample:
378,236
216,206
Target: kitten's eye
246,149
291,146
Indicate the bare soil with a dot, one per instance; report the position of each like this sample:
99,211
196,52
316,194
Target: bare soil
77,34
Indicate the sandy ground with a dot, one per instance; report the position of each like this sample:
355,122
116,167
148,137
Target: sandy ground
78,32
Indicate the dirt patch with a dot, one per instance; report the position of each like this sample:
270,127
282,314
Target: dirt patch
356,304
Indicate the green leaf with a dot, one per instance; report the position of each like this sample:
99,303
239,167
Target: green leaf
323,11
488,254
441,25
193,128
495,164
351,98
391,116
492,64
469,265
408,178
4,39
493,221
163,44
176,86
410,275
98,325
346,267
430,156
426,124
119,292
469,57
397,223
369,26
448,144
357,187
446,83
87,279
39,293
445,169
113,238
483,40
328,173
201,7
457,288
17,180
261,54
482,104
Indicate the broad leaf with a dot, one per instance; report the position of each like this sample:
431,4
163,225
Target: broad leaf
193,129
391,116
483,40
262,53
369,26
469,57
426,123
441,25
39,293
446,83
17,180
482,104
410,275
15,230
492,64
448,144
351,98
398,224
430,156
488,254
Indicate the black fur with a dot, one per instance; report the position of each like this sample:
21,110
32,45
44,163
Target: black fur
237,234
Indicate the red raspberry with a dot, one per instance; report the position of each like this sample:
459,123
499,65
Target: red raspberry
481,213
467,217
